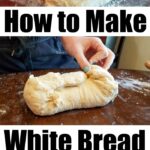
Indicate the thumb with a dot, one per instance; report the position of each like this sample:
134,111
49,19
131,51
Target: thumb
82,61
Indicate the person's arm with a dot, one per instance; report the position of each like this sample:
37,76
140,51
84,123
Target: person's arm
88,50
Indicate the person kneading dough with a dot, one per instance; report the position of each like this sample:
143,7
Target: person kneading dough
54,92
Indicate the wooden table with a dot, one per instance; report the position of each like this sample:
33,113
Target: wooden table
132,106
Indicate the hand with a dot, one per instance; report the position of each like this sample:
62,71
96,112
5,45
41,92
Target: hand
88,50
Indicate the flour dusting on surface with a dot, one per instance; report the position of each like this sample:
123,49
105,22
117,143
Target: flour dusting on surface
135,85
3,109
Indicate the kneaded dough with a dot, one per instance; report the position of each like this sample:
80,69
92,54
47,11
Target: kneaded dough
75,2
54,92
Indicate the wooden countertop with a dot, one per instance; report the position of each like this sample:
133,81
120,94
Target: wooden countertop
132,106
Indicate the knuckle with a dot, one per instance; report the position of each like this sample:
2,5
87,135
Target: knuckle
98,40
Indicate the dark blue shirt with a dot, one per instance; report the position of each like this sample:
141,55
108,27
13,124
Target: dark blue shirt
33,53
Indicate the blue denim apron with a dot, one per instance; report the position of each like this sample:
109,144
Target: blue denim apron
34,53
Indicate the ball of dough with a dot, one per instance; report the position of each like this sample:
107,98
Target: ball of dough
54,92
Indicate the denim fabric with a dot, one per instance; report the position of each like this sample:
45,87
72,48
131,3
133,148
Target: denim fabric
34,53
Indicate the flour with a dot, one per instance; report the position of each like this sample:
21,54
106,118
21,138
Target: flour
20,92
115,3
3,109
135,85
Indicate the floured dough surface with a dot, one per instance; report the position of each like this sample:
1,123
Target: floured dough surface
54,92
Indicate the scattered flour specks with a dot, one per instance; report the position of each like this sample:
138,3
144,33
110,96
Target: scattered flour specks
135,85
3,109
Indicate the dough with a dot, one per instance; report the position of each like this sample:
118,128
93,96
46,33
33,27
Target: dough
62,2
75,2
54,92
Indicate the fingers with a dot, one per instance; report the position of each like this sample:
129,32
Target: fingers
101,50
98,45
103,56
82,61
98,57
99,53
147,64
109,60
